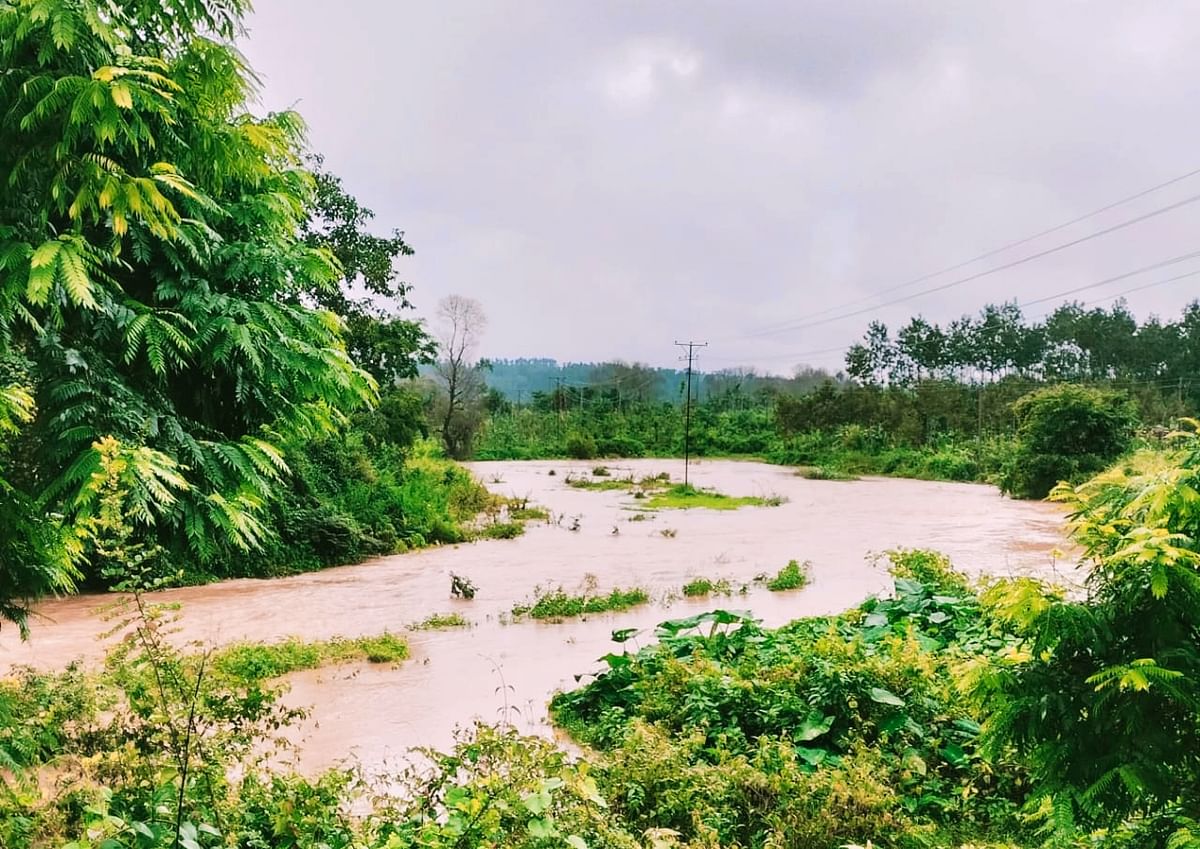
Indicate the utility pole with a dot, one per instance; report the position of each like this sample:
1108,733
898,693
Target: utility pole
690,357
558,395
558,400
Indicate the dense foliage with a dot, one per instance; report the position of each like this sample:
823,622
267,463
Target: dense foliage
932,429
151,267
1105,695
821,733
189,389
1065,433
930,403
191,336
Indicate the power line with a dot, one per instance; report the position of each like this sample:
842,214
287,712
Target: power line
804,322
1056,296
1139,288
794,355
1098,283
1024,240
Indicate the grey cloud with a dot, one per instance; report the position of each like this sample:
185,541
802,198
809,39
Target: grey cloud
607,176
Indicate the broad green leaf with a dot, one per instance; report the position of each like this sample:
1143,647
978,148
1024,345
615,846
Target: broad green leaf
885,697
813,727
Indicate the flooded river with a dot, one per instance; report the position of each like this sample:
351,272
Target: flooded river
375,713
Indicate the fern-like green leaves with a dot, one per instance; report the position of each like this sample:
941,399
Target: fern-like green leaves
153,259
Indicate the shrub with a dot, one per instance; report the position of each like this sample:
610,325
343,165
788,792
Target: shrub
439,621
698,587
581,446
793,576
620,446
503,530
557,603
1065,433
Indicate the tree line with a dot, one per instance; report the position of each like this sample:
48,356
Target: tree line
1071,344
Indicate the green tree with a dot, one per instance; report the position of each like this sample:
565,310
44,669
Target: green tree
370,292
923,346
1104,697
153,265
33,550
1065,433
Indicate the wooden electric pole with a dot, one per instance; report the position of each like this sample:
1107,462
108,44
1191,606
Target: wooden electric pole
690,357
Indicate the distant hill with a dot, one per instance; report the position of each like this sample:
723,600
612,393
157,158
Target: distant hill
518,379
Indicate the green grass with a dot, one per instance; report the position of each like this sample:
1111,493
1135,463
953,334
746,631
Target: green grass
685,496
698,587
528,514
439,621
502,530
824,473
638,486
559,604
606,485
791,577
261,661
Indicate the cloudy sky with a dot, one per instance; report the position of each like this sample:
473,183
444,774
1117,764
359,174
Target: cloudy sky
607,177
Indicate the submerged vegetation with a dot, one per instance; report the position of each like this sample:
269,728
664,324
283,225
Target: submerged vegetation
660,494
685,496
557,603
252,662
441,621
793,576
850,725
700,587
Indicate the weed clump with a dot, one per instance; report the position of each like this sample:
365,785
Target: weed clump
824,473
503,530
528,514
251,662
557,603
440,621
699,587
683,496
793,576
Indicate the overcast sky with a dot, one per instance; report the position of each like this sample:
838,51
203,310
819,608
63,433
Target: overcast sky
607,177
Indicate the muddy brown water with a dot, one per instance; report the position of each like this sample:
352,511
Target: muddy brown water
498,669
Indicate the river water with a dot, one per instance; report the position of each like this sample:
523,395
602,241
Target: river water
498,669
